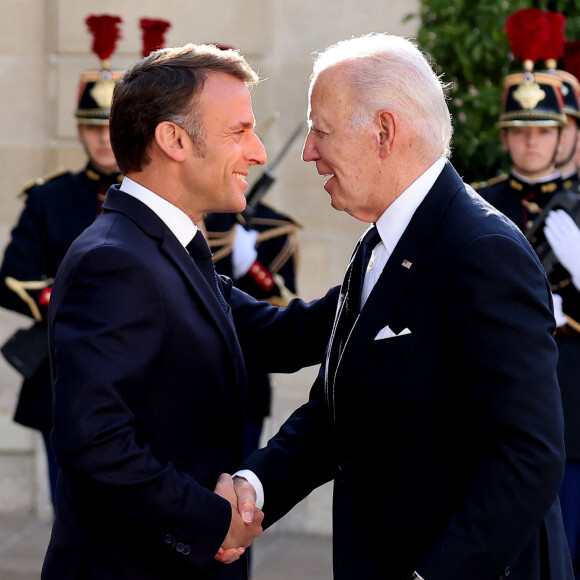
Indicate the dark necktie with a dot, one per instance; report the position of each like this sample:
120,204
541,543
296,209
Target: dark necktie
359,267
200,252
353,291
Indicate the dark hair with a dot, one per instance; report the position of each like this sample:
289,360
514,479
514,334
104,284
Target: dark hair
162,87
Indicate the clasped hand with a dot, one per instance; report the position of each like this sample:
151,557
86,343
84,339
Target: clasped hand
246,524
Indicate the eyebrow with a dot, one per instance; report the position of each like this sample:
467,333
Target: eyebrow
243,125
318,126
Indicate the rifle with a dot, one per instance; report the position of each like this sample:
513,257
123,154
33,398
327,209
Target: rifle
263,184
569,202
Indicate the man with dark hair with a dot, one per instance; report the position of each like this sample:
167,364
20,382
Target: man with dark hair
149,347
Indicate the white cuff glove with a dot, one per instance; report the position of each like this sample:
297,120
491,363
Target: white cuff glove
558,312
244,252
563,235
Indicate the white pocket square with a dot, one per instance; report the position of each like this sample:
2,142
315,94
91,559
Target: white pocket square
388,333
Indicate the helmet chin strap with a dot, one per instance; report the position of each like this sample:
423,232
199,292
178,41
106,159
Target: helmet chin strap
572,152
557,145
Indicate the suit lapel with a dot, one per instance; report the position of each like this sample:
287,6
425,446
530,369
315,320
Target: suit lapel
338,337
403,266
169,245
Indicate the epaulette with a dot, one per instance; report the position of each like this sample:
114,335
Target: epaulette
43,180
490,182
94,176
573,184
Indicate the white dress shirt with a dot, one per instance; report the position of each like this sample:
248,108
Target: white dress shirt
394,222
175,219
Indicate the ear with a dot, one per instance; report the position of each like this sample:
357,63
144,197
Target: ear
172,140
386,123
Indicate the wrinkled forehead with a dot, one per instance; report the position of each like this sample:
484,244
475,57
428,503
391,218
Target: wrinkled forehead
330,93
329,76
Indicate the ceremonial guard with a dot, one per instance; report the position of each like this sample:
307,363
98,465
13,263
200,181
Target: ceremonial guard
57,209
536,198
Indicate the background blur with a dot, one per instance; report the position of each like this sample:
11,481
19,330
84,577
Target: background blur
45,46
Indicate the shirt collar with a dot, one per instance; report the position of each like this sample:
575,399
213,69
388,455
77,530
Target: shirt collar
176,220
395,219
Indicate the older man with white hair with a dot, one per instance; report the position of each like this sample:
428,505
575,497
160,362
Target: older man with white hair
437,411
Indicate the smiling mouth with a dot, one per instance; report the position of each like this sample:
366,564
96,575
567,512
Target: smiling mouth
240,176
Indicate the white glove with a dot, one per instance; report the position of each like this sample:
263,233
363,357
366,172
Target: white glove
558,313
563,235
244,252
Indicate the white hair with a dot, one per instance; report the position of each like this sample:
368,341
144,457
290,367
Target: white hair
390,72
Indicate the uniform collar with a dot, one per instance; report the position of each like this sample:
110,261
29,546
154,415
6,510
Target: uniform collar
94,175
539,190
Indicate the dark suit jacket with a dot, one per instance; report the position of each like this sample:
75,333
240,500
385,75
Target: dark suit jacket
445,444
149,389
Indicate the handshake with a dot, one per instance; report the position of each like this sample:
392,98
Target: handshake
246,524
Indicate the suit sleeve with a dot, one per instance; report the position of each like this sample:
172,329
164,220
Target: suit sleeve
105,317
299,458
283,340
502,352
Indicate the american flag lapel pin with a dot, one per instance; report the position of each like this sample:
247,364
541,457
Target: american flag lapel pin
406,264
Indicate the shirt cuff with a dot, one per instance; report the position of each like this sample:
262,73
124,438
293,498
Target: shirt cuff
253,479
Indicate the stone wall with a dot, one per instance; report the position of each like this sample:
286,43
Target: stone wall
44,46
